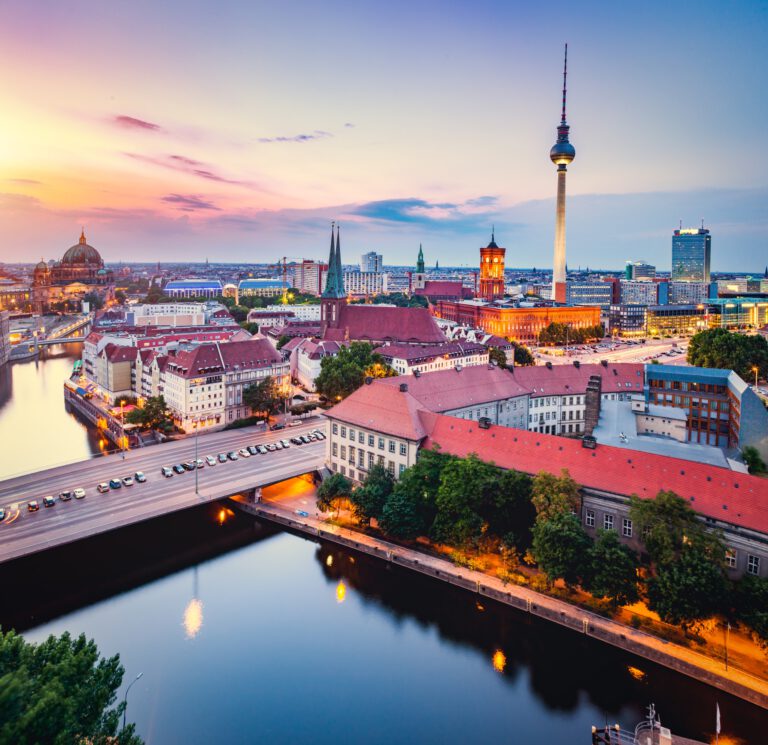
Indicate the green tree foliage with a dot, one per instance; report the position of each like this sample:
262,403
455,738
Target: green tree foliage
263,397
120,297
282,341
508,511
730,351
239,313
94,300
498,356
153,415
692,587
612,569
346,372
523,356
59,691
336,487
751,603
304,408
562,548
395,298
368,500
755,463
553,495
250,327
562,333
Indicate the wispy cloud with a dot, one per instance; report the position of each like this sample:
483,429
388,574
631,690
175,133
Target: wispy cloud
318,134
191,166
455,215
131,122
190,202
349,124
23,181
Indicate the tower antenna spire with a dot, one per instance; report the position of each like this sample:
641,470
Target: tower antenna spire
565,76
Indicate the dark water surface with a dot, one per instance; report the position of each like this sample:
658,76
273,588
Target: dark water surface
247,635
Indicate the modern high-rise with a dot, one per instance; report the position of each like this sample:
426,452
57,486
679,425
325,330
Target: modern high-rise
371,262
561,154
691,251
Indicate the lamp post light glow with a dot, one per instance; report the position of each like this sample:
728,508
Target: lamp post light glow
755,370
122,428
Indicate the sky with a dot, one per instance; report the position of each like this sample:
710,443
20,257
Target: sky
236,131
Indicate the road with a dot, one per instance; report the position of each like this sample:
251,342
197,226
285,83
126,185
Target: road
623,352
23,533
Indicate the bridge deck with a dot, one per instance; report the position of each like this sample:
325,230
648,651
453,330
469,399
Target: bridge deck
24,533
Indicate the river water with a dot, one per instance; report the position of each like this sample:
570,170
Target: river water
244,634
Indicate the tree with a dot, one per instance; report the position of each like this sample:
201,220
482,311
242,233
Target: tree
730,351
335,487
282,341
153,415
563,333
612,570
509,512
94,300
523,356
346,372
562,548
751,602
692,587
250,327
120,297
552,495
263,397
752,458
369,499
498,356
239,313
60,691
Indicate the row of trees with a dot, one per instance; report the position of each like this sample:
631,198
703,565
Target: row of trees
563,333
523,356
153,415
346,372
471,504
726,350
400,299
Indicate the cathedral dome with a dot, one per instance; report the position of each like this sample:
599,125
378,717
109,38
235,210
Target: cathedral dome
41,266
82,253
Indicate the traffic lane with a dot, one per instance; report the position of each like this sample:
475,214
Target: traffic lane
143,459
157,484
61,524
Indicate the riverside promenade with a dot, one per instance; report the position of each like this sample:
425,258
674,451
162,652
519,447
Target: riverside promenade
683,660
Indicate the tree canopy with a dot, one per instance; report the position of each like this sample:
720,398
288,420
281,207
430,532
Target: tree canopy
730,351
263,397
563,333
552,495
368,500
60,691
346,372
335,487
612,571
153,415
562,548
523,356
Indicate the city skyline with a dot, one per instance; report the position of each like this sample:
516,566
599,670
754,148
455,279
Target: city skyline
165,159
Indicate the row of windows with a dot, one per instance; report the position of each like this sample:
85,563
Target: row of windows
351,473
391,445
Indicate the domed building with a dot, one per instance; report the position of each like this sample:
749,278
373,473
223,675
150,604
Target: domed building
80,272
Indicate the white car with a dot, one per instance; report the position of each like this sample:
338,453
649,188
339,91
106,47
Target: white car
244,453
79,493
128,480
210,460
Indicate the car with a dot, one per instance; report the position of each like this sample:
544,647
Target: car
296,441
210,460
190,465
319,435
178,468
302,513
127,480
2,514
285,443
263,450
271,447
49,501
33,506
277,426
232,455
65,496
167,471
103,487
312,436
140,477
252,449
294,424
279,445
244,453
305,439
200,463
79,493
222,457
115,484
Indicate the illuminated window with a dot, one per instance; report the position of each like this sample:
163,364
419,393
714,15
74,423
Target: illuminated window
731,558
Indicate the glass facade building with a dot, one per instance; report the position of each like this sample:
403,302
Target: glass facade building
691,251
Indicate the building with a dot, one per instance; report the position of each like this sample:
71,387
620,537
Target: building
685,293
691,252
627,319
203,386
305,357
435,290
589,293
643,292
371,262
675,320
721,409
410,360
5,334
259,288
492,271
639,270
15,295
308,276
270,318
193,288
363,284
737,313
562,155
166,314
302,312
80,272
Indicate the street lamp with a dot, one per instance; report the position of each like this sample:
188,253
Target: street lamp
125,698
755,370
122,428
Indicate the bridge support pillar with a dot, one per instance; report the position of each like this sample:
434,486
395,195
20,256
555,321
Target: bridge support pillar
254,495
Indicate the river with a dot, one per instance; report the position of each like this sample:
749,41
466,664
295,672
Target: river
245,634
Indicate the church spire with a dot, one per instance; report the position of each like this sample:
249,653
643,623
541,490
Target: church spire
420,261
334,285
82,236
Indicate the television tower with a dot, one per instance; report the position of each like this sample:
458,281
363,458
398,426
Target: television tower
561,154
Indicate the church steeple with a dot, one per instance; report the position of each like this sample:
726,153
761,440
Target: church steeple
420,261
334,285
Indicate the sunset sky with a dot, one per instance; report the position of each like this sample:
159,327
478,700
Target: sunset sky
239,130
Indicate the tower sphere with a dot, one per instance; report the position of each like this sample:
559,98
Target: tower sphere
562,153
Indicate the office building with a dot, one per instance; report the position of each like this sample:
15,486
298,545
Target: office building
193,288
308,276
589,293
683,293
260,288
691,251
675,320
627,319
639,270
633,292
371,262
363,284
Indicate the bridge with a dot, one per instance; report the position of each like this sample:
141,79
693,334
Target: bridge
23,533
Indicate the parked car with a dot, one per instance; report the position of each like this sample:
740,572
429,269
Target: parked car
305,439
302,513
103,487
277,426
285,443
262,450
200,463
49,501
296,441
210,460
2,514
320,435
278,445
244,453
271,447
232,455
178,468
190,465
252,449
115,484
140,477
79,493
222,457
167,471
65,496
127,480
33,506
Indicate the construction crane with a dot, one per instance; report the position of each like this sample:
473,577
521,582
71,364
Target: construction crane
282,267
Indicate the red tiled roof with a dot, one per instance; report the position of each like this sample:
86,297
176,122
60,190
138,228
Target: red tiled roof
443,288
376,323
208,358
561,380
729,496
117,353
410,352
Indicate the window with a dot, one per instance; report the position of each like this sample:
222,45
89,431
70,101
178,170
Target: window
391,446
370,441
402,468
380,460
352,434
403,449
343,431
607,519
334,449
370,461
351,454
626,527
360,459
343,452
731,557
589,518
753,565
391,467
361,438
381,443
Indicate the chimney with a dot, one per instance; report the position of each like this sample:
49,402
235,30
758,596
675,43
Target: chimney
403,387
576,364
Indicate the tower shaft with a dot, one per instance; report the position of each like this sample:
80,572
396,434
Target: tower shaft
558,264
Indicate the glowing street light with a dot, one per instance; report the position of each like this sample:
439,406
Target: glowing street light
755,370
